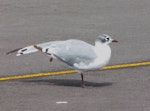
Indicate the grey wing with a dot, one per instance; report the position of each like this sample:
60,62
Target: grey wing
70,51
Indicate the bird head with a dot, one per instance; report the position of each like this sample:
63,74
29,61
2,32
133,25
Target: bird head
105,39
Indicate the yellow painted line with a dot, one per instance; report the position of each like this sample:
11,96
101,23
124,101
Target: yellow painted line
126,65
72,71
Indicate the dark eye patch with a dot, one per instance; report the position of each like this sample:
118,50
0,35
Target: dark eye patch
107,39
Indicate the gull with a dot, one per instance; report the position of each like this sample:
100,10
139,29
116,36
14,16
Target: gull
77,54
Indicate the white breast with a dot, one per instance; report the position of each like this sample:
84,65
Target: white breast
103,55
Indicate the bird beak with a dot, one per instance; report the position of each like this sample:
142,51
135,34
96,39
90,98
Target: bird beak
114,40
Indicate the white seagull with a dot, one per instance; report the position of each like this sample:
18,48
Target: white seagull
77,54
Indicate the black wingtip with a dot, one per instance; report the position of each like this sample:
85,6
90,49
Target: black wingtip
7,53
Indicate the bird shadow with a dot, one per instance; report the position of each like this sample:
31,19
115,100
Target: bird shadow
65,82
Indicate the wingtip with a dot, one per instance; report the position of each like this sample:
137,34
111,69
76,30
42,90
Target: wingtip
13,51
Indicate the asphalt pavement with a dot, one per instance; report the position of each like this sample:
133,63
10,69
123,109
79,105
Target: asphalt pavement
26,22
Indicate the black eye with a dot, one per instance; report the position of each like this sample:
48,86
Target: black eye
107,39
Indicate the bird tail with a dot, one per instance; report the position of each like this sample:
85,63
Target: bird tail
25,50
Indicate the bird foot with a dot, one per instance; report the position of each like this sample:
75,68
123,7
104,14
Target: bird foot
83,86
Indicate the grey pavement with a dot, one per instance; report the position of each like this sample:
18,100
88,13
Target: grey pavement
26,22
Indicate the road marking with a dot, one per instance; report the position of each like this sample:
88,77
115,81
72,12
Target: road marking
72,71
61,102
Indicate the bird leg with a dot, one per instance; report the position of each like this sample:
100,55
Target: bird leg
51,59
82,78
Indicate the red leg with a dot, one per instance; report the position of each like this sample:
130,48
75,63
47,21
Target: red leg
83,83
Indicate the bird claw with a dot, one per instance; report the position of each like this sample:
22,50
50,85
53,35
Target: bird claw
83,86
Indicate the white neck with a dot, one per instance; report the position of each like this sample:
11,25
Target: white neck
99,44
103,47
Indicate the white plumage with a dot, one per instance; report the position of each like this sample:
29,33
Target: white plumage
77,54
